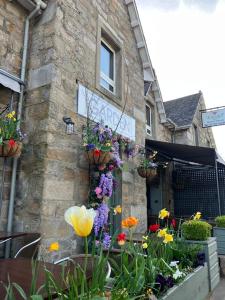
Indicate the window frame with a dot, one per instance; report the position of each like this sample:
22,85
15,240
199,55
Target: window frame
103,76
148,127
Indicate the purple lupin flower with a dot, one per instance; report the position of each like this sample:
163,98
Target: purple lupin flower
106,240
101,218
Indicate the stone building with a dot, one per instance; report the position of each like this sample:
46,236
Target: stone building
76,46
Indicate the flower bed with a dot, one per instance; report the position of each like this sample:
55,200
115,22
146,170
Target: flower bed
195,286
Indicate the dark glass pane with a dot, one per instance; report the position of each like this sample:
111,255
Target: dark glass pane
106,61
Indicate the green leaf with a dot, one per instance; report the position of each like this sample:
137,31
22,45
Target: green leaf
20,290
36,297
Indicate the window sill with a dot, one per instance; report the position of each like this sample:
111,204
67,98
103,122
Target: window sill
109,95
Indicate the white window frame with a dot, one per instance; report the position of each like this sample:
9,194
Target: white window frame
149,127
104,76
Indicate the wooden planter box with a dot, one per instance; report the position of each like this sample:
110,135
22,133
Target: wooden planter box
219,233
195,286
211,256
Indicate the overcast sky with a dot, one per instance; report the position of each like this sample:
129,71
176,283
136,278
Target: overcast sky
186,42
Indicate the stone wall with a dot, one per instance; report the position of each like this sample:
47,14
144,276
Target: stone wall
12,18
53,171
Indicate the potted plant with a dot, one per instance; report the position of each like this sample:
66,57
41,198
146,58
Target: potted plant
196,231
99,144
147,168
219,233
10,136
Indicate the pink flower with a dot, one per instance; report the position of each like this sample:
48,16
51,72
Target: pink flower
98,190
111,167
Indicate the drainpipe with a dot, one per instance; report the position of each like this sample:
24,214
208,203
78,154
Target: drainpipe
39,5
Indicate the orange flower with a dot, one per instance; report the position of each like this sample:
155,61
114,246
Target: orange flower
53,247
129,222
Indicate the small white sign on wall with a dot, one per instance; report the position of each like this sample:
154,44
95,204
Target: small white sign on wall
214,117
99,110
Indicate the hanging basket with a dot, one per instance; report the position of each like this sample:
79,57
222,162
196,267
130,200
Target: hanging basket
147,172
98,157
7,150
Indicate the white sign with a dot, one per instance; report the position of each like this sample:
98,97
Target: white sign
213,117
99,110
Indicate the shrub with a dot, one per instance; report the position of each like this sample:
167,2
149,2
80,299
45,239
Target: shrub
196,230
220,221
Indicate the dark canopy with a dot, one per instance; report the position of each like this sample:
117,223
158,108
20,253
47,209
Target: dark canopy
194,154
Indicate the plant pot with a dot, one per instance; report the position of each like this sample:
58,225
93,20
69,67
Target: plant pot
147,172
210,250
98,157
6,150
219,233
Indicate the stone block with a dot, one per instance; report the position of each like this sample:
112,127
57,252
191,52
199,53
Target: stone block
58,190
41,76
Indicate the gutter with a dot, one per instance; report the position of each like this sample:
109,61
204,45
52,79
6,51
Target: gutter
37,9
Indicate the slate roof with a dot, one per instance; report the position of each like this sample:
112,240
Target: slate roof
182,110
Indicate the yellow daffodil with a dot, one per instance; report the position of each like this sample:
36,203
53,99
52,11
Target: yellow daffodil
14,119
163,213
168,238
13,113
197,216
149,292
108,144
145,237
9,116
53,247
144,245
162,232
81,219
117,210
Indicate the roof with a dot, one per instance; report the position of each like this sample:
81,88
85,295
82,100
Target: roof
182,110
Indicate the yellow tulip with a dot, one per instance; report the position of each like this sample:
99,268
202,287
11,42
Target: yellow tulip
81,219
162,232
197,216
145,246
117,210
53,247
163,213
168,238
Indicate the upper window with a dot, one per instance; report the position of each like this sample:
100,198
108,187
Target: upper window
148,119
107,65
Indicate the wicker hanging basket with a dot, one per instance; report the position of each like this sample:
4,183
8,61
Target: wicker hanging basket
7,150
99,157
147,172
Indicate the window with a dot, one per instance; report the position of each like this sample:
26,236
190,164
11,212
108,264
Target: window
148,119
196,140
107,67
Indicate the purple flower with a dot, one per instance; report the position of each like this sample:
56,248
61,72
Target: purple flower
106,240
104,133
101,218
90,147
106,184
170,282
161,281
116,156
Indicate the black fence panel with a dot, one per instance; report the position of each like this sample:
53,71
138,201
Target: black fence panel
195,190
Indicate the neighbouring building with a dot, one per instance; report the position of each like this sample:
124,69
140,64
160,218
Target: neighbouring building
96,47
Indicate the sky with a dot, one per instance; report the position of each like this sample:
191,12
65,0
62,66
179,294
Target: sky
186,42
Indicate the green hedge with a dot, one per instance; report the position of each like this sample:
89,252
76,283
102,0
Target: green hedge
220,221
196,230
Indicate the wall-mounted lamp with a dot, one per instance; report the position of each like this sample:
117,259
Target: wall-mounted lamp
69,125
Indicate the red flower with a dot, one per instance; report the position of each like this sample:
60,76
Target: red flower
121,238
97,152
12,143
173,223
154,227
